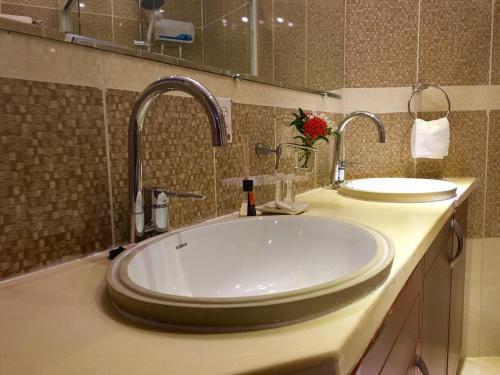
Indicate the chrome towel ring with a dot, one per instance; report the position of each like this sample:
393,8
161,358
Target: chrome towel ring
419,87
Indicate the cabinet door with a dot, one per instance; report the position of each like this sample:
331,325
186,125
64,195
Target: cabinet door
457,295
436,307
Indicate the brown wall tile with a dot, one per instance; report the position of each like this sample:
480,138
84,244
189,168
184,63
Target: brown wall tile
455,42
213,44
184,10
265,59
257,124
325,44
213,10
390,159
381,43
495,66
36,3
96,7
180,166
96,26
53,176
125,31
466,158
237,42
290,42
48,16
492,224
125,9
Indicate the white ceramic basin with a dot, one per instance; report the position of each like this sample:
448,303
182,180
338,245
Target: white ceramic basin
249,273
399,189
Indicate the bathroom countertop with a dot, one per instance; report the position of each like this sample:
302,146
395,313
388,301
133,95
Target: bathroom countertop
60,321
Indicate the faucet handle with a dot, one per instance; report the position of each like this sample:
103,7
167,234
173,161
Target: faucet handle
159,198
346,163
177,194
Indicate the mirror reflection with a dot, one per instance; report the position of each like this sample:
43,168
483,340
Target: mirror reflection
291,43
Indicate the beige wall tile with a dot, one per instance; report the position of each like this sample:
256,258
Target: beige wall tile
489,334
381,43
290,42
325,44
455,42
185,165
390,159
53,174
492,223
466,158
55,61
495,66
256,123
472,298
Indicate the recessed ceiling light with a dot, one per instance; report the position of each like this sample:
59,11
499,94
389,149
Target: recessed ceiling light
279,19
290,24
82,5
244,19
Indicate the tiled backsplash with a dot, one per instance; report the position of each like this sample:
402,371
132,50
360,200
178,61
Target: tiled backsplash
55,192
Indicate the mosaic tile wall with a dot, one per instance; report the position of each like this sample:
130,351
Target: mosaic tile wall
54,189
385,49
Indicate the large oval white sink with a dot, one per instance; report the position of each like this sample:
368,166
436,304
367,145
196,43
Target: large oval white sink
249,273
399,189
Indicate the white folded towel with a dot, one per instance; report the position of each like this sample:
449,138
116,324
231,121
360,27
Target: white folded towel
430,139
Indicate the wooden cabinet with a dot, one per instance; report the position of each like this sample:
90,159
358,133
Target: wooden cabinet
424,325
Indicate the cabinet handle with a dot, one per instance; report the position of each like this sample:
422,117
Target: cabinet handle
422,366
460,238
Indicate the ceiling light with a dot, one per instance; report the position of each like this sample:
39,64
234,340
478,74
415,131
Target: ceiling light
279,20
244,19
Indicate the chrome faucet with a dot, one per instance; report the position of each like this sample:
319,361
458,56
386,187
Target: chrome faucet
338,167
159,197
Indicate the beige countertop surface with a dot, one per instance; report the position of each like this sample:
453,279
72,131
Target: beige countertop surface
60,321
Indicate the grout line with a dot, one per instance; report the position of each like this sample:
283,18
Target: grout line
108,153
305,48
419,19
272,40
491,40
488,122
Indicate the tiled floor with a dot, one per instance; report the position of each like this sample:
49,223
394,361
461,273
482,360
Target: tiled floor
481,366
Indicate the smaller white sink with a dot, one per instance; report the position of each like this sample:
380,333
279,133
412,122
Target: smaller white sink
399,189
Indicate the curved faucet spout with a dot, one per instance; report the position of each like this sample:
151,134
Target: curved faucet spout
338,164
136,123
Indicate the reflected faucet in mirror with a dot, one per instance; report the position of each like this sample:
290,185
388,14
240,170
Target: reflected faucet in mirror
339,165
158,197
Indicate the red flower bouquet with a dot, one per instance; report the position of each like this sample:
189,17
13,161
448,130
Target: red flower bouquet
312,128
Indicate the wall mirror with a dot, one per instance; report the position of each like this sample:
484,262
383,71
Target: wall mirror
290,43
